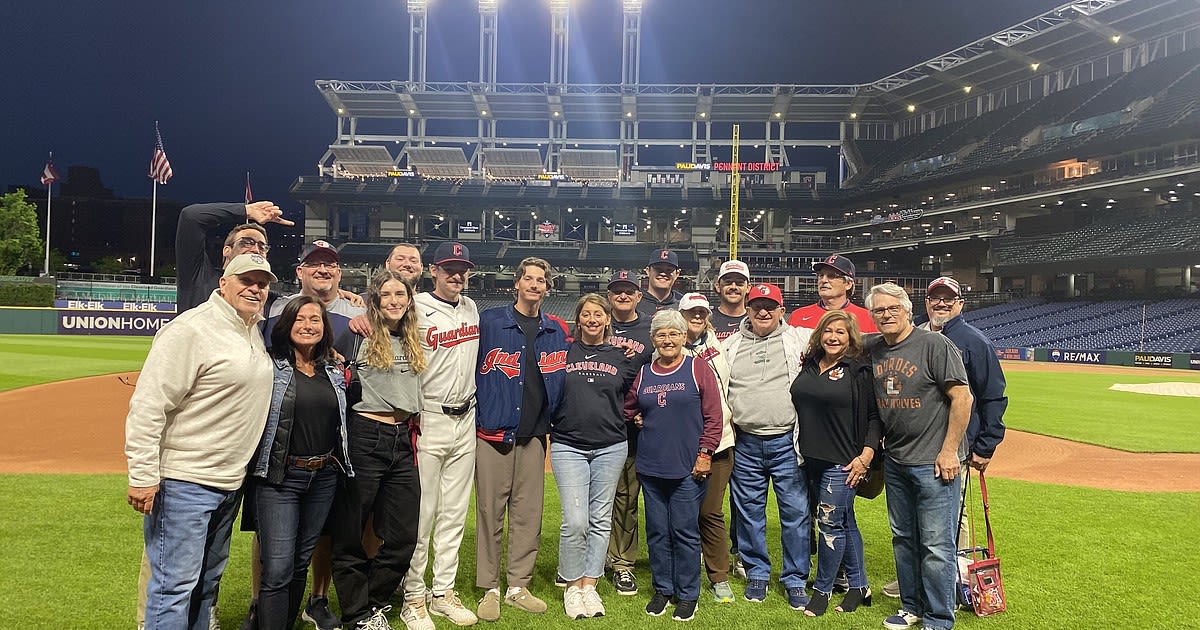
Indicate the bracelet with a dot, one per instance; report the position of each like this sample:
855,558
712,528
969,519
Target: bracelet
703,455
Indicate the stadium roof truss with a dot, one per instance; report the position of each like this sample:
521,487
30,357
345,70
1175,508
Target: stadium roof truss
1048,50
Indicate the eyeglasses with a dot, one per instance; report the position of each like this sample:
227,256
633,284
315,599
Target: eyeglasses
623,291
330,266
670,334
941,300
770,306
892,310
249,242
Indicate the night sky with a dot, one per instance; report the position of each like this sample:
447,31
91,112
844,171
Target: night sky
231,83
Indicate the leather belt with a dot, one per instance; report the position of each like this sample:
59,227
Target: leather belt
457,411
316,462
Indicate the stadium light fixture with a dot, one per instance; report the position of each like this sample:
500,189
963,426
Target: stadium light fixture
1145,190
1034,66
966,89
911,108
1116,39
779,114
853,115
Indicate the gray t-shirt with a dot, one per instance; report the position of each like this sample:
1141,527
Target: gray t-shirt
385,391
909,381
759,387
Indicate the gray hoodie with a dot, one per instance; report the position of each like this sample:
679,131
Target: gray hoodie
760,380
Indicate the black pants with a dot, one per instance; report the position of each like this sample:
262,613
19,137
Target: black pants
386,486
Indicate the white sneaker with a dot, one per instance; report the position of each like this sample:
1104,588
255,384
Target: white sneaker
573,603
376,621
414,616
448,605
592,602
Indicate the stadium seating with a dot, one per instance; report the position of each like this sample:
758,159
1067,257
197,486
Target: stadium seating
589,164
513,163
1161,326
448,162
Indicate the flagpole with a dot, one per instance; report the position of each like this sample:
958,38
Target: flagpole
153,219
46,267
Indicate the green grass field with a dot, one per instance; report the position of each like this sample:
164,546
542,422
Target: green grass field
1072,557
1081,407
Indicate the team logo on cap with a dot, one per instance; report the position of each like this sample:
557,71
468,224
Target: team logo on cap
457,248
762,288
622,275
664,254
831,260
320,243
255,258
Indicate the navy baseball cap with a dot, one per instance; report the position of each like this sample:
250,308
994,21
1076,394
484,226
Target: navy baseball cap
450,251
841,264
664,257
623,276
318,246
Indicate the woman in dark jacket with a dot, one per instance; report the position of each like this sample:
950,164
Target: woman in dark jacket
302,450
839,431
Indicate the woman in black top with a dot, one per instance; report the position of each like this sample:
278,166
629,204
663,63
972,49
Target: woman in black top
839,432
303,447
587,452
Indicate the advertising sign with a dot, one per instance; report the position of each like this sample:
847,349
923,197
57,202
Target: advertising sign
89,305
1077,356
1014,354
110,323
1152,359
1194,362
624,229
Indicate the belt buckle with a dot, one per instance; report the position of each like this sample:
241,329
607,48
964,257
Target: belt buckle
311,464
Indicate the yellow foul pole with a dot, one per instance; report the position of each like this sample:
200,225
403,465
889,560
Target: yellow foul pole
735,184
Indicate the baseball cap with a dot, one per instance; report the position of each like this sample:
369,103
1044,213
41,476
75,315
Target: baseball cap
245,263
319,246
839,263
623,276
734,266
768,291
945,281
693,300
451,251
664,256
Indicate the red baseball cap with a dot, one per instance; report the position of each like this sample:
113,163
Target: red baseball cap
768,291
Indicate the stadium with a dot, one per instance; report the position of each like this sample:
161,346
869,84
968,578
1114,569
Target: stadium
1052,167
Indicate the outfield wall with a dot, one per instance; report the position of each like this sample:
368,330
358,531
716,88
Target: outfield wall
1176,360
133,320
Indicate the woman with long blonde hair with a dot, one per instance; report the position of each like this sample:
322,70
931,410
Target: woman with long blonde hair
384,392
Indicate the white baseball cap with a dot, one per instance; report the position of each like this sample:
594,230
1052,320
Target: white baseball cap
734,266
245,263
690,301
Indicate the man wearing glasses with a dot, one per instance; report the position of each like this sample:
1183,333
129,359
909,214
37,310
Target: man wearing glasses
925,404
730,284
835,283
319,272
631,330
663,271
196,273
764,358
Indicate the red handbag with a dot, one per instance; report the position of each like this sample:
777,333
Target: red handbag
983,567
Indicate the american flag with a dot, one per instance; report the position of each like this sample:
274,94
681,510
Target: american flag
160,168
249,193
49,175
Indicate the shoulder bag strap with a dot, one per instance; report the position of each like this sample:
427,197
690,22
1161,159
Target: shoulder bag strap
986,520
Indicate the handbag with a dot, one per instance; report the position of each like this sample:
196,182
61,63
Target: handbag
872,486
981,584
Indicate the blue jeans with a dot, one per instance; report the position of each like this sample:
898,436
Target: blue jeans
290,518
757,462
839,541
673,534
187,544
922,514
587,481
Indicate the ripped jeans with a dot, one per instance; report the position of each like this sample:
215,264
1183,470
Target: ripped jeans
838,539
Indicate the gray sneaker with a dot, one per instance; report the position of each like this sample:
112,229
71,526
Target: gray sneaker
573,603
892,589
592,602
722,594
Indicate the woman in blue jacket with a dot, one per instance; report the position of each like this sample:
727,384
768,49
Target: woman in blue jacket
301,453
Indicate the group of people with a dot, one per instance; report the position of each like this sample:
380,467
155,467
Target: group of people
353,430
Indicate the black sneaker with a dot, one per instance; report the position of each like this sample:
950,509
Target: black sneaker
560,581
657,605
685,610
624,582
318,614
